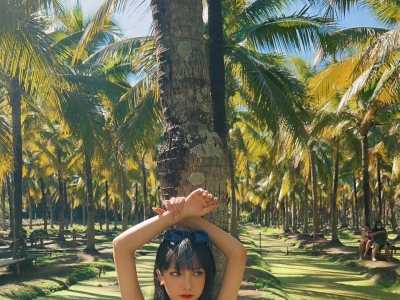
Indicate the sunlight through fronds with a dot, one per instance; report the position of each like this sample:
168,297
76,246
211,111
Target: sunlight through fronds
332,79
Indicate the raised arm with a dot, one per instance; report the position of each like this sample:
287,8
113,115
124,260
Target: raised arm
131,240
233,251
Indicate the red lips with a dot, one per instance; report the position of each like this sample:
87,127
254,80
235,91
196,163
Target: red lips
184,296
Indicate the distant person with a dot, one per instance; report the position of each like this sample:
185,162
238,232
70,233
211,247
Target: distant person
366,241
379,237
184,265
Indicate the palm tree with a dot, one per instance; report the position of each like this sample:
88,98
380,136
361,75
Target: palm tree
23,32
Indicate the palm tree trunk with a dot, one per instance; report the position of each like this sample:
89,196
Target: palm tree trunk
353,219
344,217
60,195
234,217
84,209
44,202
51,210
71,217
11,205
294,213
115,215
378,175
217,68
144,187
107,209
305,222
125,205
65,203
393,220
136,203
30,203
3,206
99,214
356,203
334,219
90,245
365,171
15,103
191,155
314,192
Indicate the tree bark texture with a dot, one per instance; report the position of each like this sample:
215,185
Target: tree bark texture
191,155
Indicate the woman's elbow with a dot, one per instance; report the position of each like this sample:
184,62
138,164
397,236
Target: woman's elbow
240,254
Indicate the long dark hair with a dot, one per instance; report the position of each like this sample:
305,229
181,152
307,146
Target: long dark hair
187,254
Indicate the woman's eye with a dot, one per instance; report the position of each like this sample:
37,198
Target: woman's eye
199,273
175,273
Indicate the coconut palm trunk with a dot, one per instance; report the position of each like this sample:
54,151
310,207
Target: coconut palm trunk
144,189
3,205
334,218
356,203
60,195
234,216
90,245
107,208
365,172
378,174
305,208
11,204
125,205
15,103
191,155
316,228
44,202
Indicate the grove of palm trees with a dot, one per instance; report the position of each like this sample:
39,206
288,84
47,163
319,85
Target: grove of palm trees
290,118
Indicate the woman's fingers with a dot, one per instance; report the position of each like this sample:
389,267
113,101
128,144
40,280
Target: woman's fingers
159,210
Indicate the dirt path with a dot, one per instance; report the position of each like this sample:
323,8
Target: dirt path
306,277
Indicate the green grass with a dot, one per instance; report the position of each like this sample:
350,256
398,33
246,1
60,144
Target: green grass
45,287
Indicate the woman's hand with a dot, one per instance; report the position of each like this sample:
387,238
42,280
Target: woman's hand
173,205
197,204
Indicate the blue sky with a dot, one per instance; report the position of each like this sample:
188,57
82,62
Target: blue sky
136,20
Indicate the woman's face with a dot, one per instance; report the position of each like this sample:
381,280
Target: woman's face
185,284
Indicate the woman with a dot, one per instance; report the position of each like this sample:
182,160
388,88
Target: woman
184,267
365,242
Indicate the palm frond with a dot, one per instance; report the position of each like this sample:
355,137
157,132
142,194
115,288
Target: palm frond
272,89
99,20
296,32
342,42
333,79
142,123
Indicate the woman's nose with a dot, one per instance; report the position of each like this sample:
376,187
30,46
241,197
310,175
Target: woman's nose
187,281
